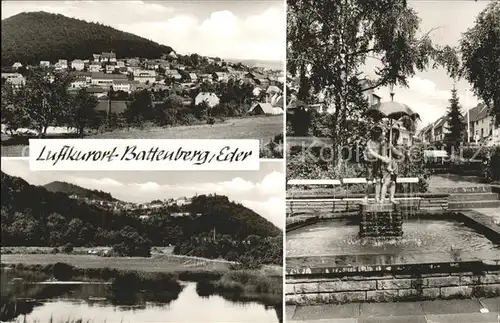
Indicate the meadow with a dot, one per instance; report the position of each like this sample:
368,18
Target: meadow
263,128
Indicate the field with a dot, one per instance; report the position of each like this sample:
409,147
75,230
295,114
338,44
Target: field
157,263
260,127
161,261
263,128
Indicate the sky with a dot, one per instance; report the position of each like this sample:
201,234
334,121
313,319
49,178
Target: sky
262,191
429,91
227,29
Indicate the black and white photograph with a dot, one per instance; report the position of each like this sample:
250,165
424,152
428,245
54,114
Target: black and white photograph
392,161
143,70
141,246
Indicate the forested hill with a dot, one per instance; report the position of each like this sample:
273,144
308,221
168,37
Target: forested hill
30,37
229,218
72,189
32,215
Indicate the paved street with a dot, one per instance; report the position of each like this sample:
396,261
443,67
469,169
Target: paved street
439,311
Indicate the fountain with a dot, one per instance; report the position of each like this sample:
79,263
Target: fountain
380,221
341,250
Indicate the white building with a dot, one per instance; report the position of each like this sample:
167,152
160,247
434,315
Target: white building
78,64
95,67
121,85
44,64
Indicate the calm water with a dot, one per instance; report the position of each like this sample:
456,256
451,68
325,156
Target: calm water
340,237
94,303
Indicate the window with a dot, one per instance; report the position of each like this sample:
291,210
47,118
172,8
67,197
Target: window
482,132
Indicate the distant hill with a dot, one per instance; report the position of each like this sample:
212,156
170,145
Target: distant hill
33,216
72,189
30,37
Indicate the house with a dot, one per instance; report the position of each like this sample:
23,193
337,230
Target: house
108,57
144,217
481,124
121,85
143,72
120,64
172,55
152,65
145,76
44,64
440,129
182,201
17,65
173,74
206,77
264,108
78,64
133,62
193,77
95,67
64,63
111,68
209,98
81,79
16,80
97,57
106,80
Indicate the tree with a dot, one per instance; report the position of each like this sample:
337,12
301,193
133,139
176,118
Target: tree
140,109
82,112
42,101
329,42
456,123
480,51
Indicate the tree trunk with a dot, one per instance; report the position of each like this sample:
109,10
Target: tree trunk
81,132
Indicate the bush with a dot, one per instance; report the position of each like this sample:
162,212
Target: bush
54,250
62,271
67,248
492,166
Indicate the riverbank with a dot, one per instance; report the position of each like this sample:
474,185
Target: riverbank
263,285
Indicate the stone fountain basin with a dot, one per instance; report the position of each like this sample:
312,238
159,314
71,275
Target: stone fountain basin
398,272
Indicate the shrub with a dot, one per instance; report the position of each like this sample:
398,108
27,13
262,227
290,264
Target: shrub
62,271
67,248
54,250
492,167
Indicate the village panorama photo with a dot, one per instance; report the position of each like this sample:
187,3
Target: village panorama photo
156,70
142,247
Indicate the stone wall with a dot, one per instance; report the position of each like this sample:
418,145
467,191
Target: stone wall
386,288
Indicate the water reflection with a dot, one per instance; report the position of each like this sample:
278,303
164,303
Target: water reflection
109,303
339,237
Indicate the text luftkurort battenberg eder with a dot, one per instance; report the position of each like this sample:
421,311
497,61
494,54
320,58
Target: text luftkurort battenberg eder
154,154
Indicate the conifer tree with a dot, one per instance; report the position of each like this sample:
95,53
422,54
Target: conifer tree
456,124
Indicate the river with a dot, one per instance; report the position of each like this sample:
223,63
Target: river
96,303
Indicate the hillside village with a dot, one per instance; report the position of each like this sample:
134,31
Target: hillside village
144,211
479,124
107,73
